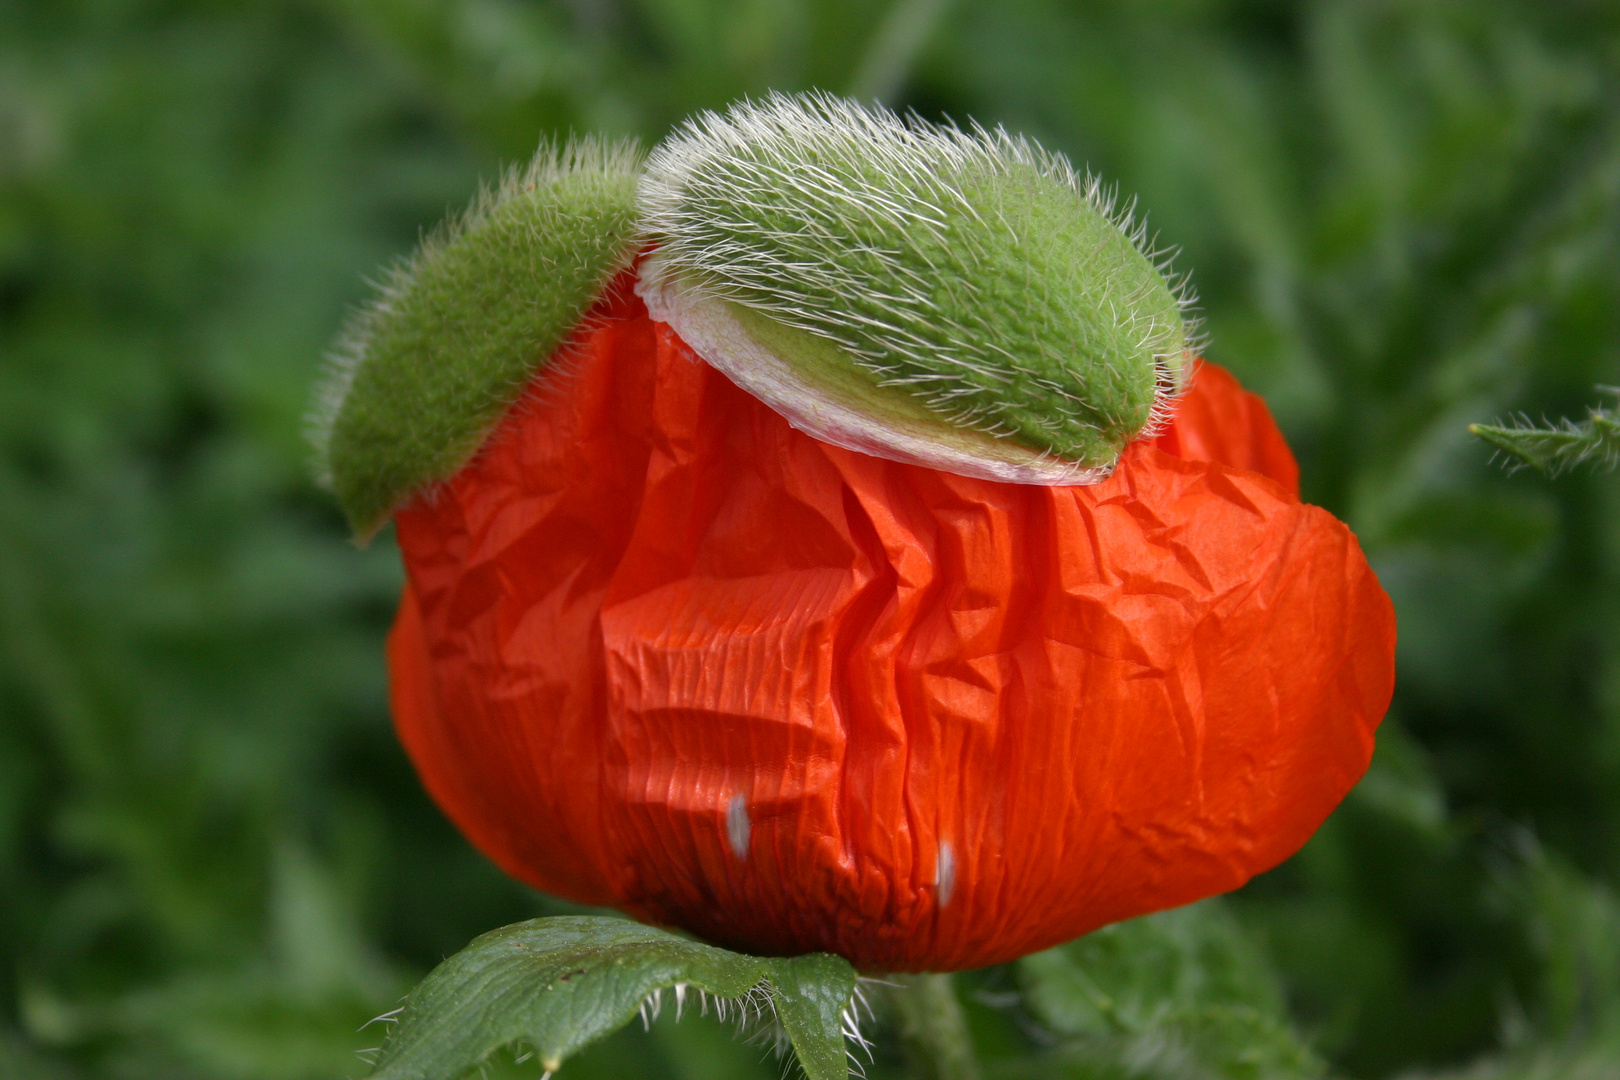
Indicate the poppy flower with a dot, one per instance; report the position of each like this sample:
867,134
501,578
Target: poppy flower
663,649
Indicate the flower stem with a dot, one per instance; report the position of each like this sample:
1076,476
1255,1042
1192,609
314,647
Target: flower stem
933,1028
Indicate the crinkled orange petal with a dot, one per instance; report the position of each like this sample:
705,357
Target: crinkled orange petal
1219,421
663,652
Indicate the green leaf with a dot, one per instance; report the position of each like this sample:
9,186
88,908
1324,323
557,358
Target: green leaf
813,997
560,984
1179,995
432,364
1557,447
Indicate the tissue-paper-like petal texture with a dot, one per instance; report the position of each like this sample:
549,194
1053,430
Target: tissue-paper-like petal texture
663,652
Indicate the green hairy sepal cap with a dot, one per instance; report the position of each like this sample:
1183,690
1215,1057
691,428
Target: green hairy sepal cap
428,368
961,300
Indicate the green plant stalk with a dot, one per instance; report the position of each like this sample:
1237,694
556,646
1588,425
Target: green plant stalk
933,1028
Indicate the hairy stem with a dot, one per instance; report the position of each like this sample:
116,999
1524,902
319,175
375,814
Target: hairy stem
933,1028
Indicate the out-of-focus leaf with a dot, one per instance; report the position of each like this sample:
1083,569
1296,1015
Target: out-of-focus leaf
1573,925
1178,995
289,1016
562,983
1587,1060
1570,1028
19,1061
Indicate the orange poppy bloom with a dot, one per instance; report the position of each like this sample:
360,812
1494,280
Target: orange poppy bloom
663,652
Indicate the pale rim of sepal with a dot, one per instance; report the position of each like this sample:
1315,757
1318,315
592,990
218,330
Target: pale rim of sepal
714,331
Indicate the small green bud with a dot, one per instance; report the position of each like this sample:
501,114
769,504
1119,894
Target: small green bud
962,300
427,369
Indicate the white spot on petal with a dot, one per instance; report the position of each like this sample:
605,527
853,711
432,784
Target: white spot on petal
738,826
945,873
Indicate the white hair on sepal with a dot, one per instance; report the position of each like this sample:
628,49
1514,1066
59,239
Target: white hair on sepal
900,243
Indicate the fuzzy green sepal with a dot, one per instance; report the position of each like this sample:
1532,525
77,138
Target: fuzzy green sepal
428,368
828,395
970,273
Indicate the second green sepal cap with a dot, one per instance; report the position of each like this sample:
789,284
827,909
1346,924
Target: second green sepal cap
427,369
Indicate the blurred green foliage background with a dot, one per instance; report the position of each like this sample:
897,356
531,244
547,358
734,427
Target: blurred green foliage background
1402,216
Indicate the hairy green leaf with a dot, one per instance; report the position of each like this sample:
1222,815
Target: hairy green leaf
559,984
1554,448
428,368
